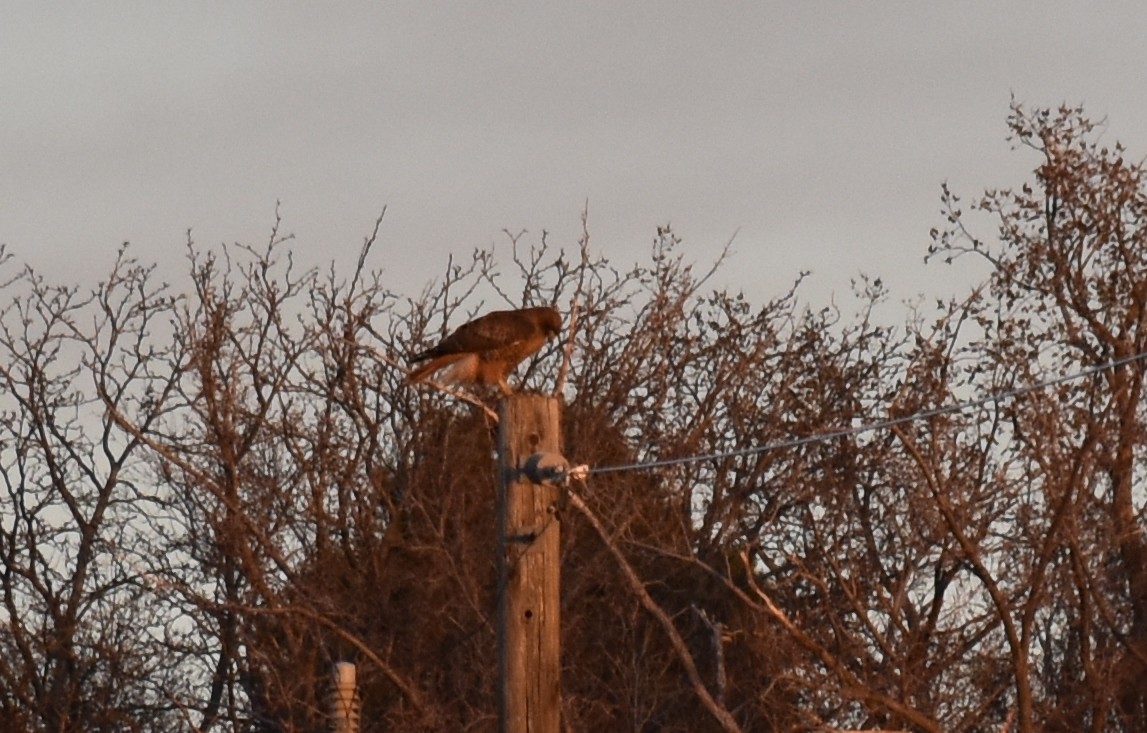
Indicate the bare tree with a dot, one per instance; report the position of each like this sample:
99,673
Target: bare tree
78,646
1069,273
795,518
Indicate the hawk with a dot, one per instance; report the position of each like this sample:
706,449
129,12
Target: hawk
486,350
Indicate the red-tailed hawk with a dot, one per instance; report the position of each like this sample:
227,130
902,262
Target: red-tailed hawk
486,350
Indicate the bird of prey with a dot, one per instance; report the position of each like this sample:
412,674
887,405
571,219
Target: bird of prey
486,350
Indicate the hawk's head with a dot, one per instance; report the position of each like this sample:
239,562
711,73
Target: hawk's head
551,322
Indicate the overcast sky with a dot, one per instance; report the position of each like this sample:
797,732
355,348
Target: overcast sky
819,132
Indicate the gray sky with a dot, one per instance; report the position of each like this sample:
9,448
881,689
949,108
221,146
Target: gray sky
821,131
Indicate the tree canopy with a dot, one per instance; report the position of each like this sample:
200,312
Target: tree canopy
212,493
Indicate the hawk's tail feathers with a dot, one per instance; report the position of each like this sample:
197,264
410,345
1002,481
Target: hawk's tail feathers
420,356
424,371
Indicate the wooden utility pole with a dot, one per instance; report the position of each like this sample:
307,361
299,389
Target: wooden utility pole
529,533
344,703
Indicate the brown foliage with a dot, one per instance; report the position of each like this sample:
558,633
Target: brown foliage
209,498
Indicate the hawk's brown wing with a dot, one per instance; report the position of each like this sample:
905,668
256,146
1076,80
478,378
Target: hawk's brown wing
492,331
